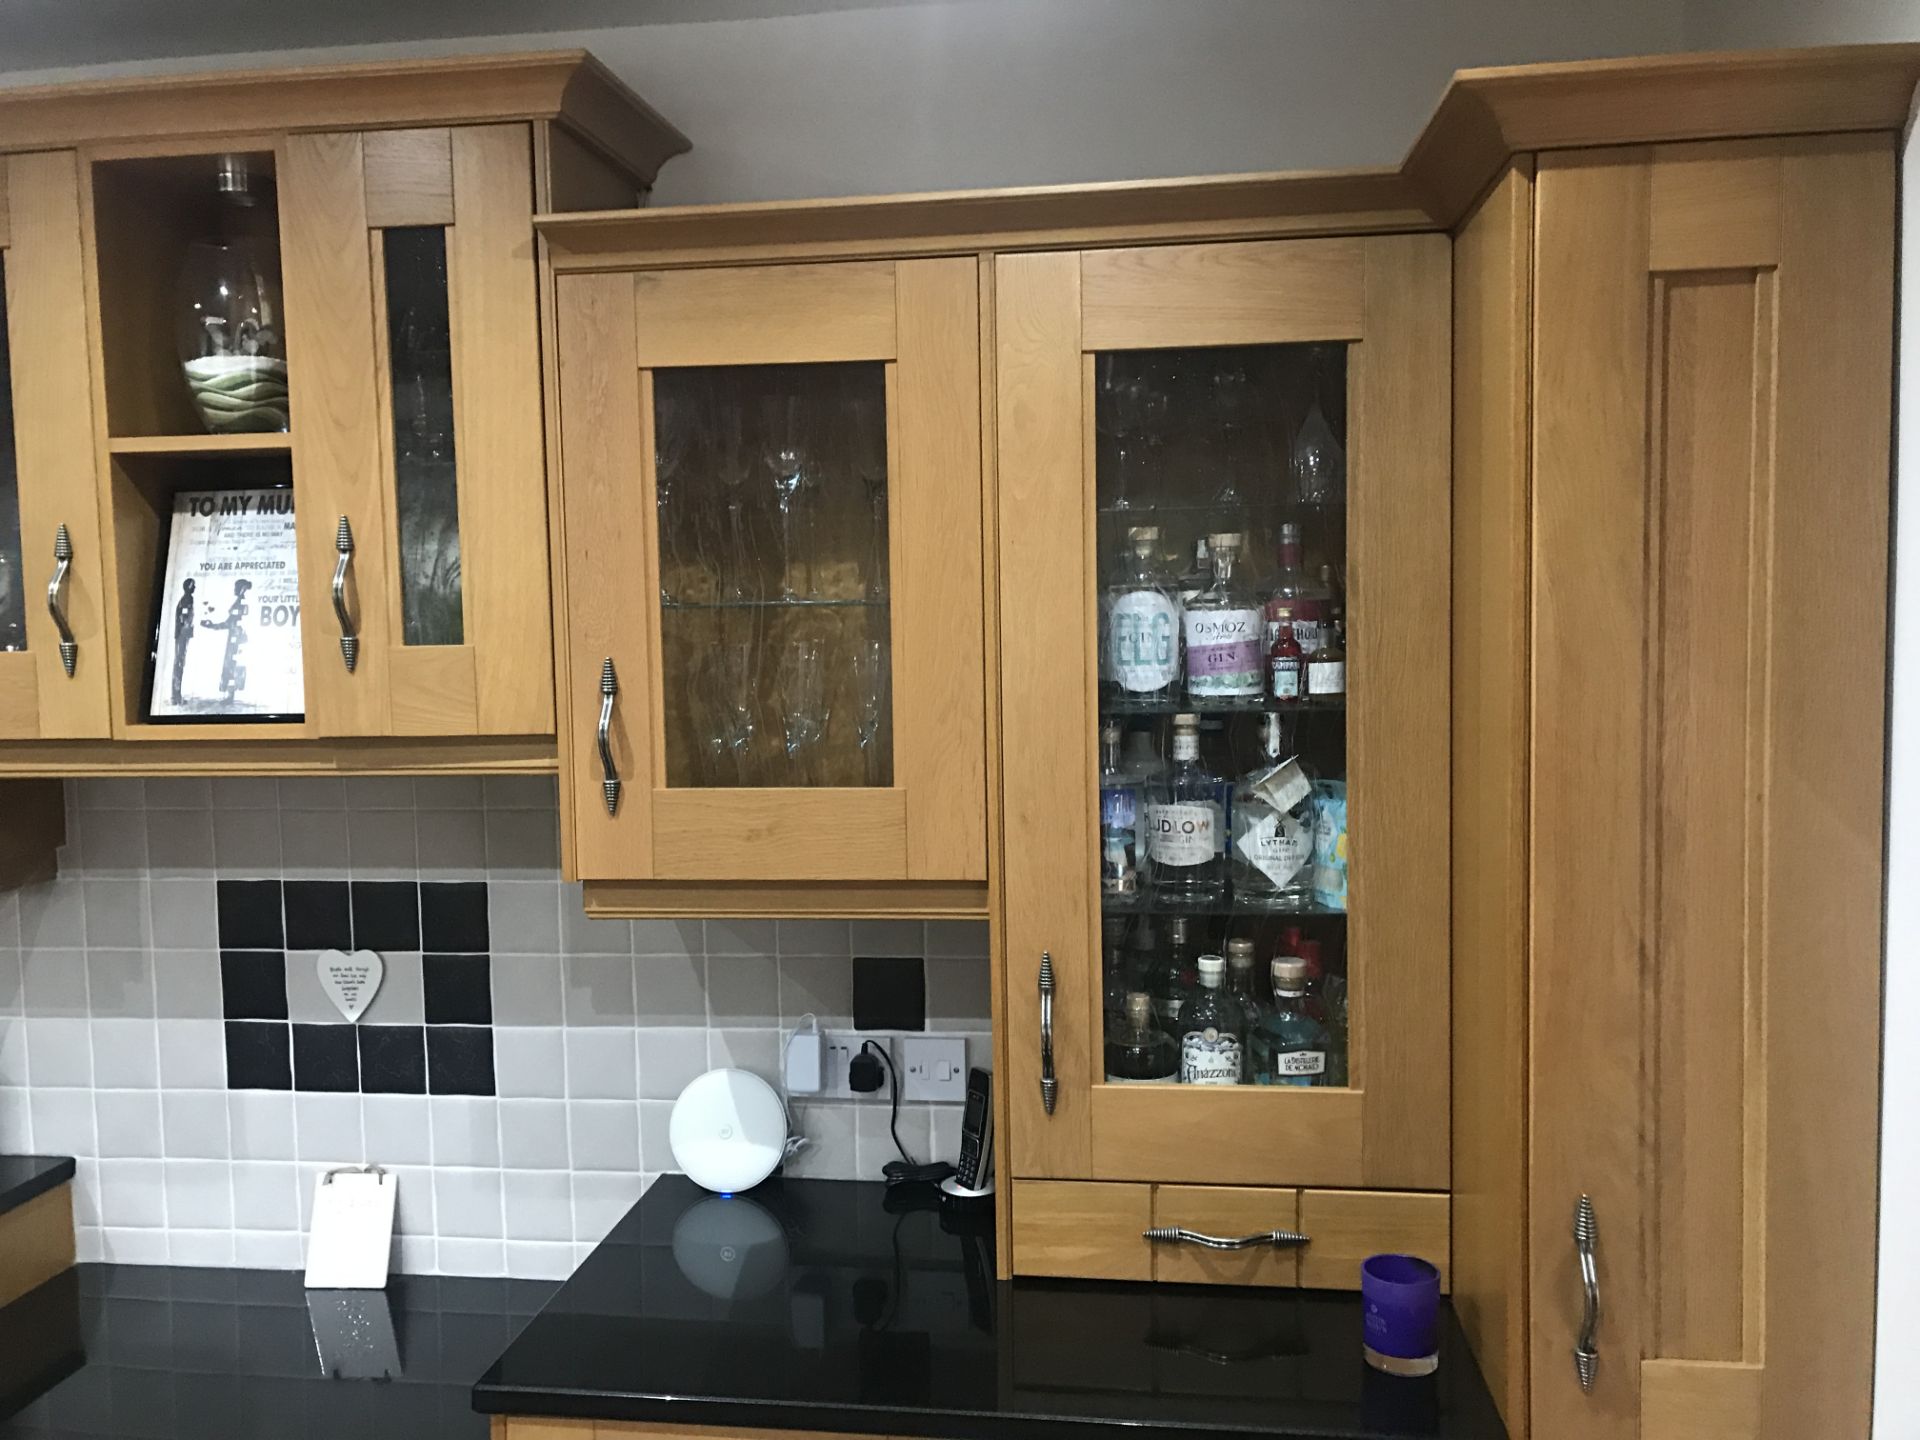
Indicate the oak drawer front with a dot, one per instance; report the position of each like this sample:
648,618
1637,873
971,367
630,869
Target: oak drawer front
1096,1230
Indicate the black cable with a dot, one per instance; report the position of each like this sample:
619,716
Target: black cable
904,1171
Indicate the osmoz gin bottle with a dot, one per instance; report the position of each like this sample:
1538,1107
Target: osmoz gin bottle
1224,624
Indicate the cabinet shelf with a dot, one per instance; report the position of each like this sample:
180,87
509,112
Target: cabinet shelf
277,442
1229,903
1115,709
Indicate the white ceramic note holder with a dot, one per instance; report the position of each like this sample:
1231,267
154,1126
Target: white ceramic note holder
352,1237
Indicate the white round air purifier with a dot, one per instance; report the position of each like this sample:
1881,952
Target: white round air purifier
728,1131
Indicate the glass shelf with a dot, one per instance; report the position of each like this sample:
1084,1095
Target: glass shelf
1155,903
1330,704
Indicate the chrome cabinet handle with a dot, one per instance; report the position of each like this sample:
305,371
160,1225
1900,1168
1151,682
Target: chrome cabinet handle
1175,1235
609,687
56,587
1049,1086
349,637
1586,1235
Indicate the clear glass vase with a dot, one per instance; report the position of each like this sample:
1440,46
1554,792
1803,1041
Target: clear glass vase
231,337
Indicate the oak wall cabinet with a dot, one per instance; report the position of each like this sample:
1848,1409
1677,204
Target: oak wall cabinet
393,206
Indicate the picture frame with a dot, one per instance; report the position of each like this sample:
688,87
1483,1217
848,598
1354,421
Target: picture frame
226,611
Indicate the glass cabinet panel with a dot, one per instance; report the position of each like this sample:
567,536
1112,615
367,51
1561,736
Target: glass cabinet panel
13,594
1220,482
771,493
420,356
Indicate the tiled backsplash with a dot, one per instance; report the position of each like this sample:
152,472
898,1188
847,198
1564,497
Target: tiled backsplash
123,983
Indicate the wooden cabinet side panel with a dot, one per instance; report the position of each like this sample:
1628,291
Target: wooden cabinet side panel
54,447
608,571
501,447
1492,301
941,759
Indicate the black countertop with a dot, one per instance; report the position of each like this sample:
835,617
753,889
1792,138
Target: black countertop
809,1305
22,1177
112,1351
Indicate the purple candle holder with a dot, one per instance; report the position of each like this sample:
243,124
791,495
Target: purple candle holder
1400,1299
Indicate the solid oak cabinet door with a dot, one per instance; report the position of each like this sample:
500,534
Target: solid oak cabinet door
53,681
417,444
771,497
1711,421
1199,445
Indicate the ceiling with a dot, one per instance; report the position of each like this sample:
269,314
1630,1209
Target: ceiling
52,34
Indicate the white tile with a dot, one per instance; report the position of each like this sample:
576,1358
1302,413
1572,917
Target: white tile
466,1204
16,1123
128,1123
538,1260
327,1129
604,1134
581,936
600,1064
669,1060
671,989
59,1052
261,1123
54,983
119,984
126,1055
187,985
89,1244
277,1250
471,1257
413,1211
52,916
539,1204
193,1054
199,1195
13,1051
185,914
134,1247
523,843
754,1050
742,990
740,937
873,1137
116,914
599,989
132,1193
958,939
889,937
599,1202
523,916
526,990
466,1130
381,844
195,1124
399,1131
62,1122
814,937
829,1153
86,1191
656,1145
206,1248
532,1063
453,844
533,1134
417,1255
265,1195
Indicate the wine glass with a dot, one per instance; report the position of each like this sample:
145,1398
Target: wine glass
1117,416
872,662
1318,462
866,431
801,684
790,467
673,425
733,461
1232,401
735,674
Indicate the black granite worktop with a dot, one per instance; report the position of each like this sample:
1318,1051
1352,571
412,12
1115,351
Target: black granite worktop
22,1177
812,1305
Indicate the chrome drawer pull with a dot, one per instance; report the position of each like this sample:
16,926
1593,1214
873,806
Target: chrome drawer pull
1586,1237
349,637
62,563
609,687
1049,1086
1174,1235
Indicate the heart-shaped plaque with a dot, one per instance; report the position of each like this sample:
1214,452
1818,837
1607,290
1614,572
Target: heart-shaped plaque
351,981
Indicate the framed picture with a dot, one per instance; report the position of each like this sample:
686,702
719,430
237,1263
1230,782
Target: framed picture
226,624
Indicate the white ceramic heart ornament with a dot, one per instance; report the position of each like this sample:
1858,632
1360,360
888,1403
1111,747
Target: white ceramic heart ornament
351,981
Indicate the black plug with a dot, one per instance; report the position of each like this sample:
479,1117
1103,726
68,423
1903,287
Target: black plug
864,1075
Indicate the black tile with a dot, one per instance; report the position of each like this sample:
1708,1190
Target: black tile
393,1059
889,994
460,1060
453,916
253,984
325,1057
318,915
386,914
458,990
258,1057
250,915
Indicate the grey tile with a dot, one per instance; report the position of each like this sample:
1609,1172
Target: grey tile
245,792
527,990
56,982
326,1128
9,920
116,914
120,983
531,1064
755,1050
307,999
110,794
656,1143
125,1055
600,1200
466,1130
246,843
12,983
521,792
581,936
185,914
193,1054
959,992
814,937
604,1134
668,937
816,985
382,844
670,990
523,916
523,842
453,844
448,792
873,1137
399,1129
742,989
178,792
379,792
313,843
112,843
830,1150
599,989
601,1064
13,1051
187,985
180,842
740,937
313,792
888,937
963,939
52,915
401,999
669,1061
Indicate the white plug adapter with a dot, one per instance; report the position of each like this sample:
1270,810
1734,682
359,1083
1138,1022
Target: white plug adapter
803,1064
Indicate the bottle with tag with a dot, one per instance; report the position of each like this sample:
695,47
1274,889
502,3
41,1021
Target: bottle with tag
1273,824
1142,641
1225,659
1212,1030
1184,821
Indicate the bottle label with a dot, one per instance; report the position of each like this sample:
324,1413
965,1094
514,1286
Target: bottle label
1208,1057
1119,873
1286,678
1278,845
1181,833
1308,631
1325,677
1298,1067
1143,651
1117,807
1224,655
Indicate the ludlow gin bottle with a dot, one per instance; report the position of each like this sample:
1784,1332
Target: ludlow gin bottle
1225,659
1183,821
1143,623
1273,818
1212,1031
1290,1046
1138,1050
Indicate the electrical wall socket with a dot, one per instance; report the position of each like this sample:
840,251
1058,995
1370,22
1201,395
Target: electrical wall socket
930,1067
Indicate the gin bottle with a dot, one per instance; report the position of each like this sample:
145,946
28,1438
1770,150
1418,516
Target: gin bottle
1143,623
1225,659
1139,1052
1240,983
1176,976
1290,1046
1212,1030
1183,821
1273,817
1120,859
1327,666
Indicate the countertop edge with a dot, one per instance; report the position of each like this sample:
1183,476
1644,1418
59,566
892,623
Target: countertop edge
52,1171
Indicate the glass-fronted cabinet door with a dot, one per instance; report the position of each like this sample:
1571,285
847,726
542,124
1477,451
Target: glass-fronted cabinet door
771,494
53,661
1225,711
413,336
